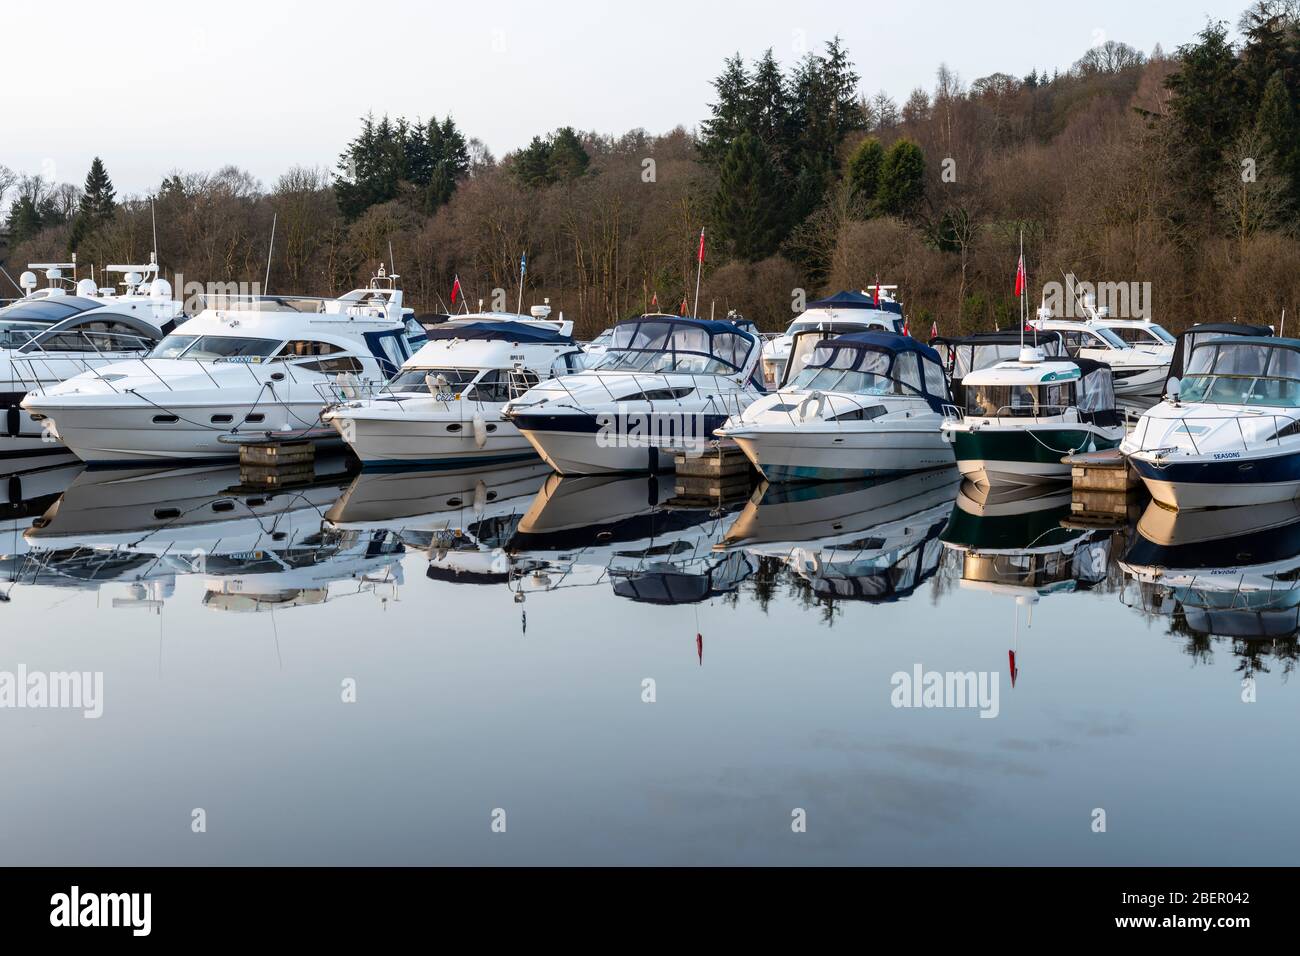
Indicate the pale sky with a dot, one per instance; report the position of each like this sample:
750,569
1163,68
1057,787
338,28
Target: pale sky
266,84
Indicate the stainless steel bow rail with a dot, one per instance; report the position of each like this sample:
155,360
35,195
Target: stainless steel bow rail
1282,426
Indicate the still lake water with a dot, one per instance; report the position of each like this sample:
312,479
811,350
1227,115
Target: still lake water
499,628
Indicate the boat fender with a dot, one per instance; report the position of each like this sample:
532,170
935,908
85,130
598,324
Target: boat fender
349,385
480,496
480,430
803,406
12,419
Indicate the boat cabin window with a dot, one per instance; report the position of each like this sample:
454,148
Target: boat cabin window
101,335
1015,401
502,385
1143,334
300,348
333,366
1245,374
416,379
216,348
15,335
1076,339
935,383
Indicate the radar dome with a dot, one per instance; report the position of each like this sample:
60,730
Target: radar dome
87,287
160,289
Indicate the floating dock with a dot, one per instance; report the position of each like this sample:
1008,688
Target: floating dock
1106,490
277,464
720,476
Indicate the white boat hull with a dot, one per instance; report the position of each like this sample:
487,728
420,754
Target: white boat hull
580,453
115,434
834,454
1149,381
394,441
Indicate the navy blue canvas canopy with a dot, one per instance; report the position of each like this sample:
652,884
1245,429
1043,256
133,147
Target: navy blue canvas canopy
909,363
712,326
661,334
1192,337
500,331
856,300
883,342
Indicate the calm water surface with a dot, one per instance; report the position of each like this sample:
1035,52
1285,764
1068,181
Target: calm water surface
499,629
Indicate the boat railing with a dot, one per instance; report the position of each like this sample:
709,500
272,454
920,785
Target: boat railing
1182,427
79,351
1036,414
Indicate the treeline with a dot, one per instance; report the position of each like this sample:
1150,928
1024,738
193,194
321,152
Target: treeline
1181,170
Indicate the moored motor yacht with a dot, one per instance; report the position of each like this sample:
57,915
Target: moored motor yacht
246,368
864,404
1229,431
964,354
443,408
664,384
69,327
1021,418
1137,369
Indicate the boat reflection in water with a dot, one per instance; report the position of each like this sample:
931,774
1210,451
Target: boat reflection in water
1015,542
254,548
26,493
461,518
1227,573
872,540
616,530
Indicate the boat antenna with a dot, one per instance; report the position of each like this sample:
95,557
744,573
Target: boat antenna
269,251
153,218
392,261
1282,329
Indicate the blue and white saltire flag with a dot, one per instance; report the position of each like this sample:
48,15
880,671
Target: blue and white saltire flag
523,263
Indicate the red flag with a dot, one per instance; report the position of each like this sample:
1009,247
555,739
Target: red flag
1020,276
875,299
654,299
701,245
907,327
683,308
455,290
1015,671
934,329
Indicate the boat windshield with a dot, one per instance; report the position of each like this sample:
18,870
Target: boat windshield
416,379
1017,401
1109,336
215,348
14,335
675,347
1143,334
835,374
1243,374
